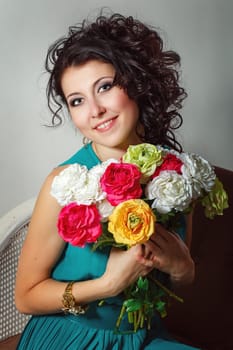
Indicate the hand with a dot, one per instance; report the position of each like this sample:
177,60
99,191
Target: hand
123,268
167,252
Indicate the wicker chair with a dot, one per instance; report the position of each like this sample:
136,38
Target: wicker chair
13,228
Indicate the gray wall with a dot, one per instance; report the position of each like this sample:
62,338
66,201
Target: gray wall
200,30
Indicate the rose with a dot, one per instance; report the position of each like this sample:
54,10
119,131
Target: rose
132,222
146,156
79,224
198,172
169,191
170,162
98,170
121,181
105,209
93,189
216,200
69,183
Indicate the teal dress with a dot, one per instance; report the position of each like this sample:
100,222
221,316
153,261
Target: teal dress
94,329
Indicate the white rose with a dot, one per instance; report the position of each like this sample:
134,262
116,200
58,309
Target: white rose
92,192
105,209
169,191
66,185
198,172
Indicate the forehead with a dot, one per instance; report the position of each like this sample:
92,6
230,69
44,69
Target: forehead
86,74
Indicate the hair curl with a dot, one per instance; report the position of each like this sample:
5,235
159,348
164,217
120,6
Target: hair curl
147,72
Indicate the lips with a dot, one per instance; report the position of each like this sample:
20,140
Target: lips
106,125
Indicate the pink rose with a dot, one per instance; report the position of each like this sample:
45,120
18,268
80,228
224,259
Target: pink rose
121,181
170,162
79,224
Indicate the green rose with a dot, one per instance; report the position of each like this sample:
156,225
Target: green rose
146,156
216,200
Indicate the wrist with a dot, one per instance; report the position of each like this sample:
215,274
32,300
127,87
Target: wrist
69,302
110,286
88,291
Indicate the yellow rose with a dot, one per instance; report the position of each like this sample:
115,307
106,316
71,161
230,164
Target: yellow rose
132,222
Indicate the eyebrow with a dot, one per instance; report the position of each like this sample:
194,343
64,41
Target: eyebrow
95,83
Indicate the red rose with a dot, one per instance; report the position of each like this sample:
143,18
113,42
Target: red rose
79,224
121,181
170,162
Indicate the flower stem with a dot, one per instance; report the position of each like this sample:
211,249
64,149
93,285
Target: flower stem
120,316
166,290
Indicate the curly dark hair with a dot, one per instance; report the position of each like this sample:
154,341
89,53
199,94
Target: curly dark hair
147,72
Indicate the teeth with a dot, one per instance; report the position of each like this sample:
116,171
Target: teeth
104,125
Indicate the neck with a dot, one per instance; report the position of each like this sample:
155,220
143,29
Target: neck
105,153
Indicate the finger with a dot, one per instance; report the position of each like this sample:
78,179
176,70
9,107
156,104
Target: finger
146,262
153,247
158,240
157,263
142,252
146,251
161,232
176,235
167,235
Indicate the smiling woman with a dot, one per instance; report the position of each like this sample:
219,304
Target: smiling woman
121,88
102,111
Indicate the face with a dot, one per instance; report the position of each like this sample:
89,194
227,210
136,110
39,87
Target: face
102,112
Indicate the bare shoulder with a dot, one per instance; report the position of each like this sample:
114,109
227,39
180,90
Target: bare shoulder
46,187
55,172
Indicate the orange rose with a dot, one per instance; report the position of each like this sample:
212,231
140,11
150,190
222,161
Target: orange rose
132,222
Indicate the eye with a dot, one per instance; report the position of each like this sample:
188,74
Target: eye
105,87
75,101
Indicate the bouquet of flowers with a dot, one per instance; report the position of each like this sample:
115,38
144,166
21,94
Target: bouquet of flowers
117,203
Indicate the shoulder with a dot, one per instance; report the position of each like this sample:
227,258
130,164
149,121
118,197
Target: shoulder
85,156
50,177
55,172
46,203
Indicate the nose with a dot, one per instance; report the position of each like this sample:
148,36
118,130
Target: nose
96,108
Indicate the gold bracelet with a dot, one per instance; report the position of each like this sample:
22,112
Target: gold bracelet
69,303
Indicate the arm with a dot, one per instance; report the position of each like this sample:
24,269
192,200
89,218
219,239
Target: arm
36,292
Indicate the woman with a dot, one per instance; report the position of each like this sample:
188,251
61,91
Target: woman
120,88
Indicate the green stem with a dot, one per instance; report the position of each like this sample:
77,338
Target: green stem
120,316
135,320
166,290
130,316
142,319
139,318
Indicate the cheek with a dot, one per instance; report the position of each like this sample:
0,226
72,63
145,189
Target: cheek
73,116
77,120
122,99
123,102
78,117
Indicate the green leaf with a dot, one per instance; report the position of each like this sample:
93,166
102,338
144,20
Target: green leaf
160,307
143,283
133,305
